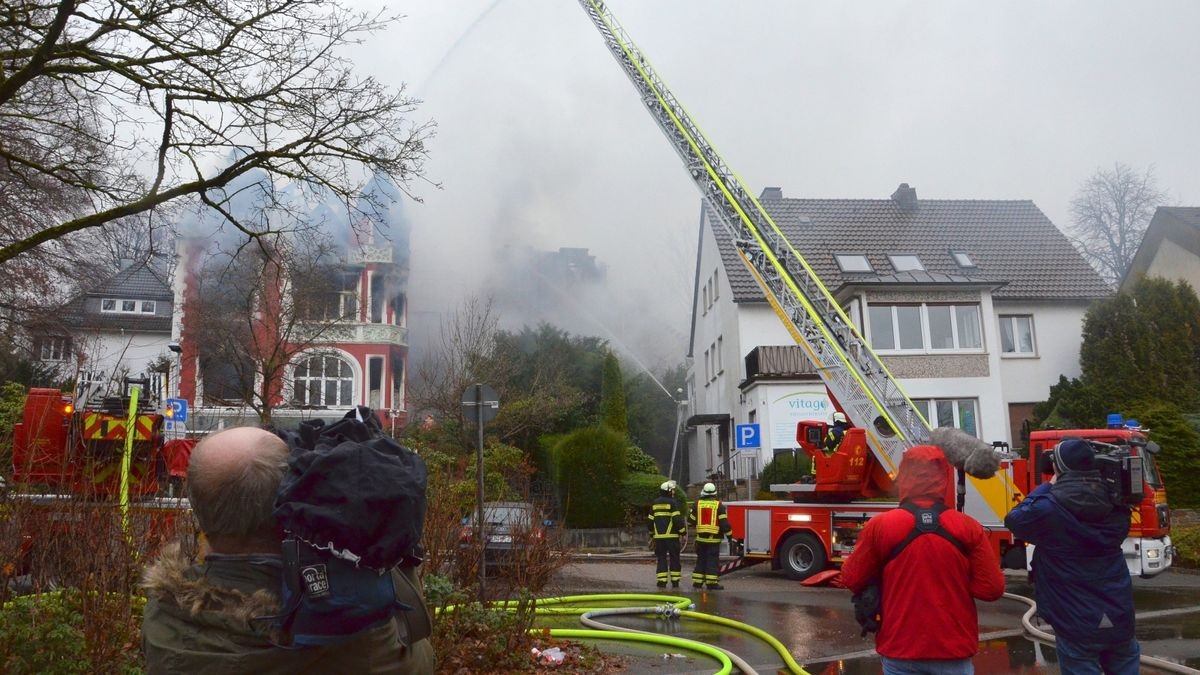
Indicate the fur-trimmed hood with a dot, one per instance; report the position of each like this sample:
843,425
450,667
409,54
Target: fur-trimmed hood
233,586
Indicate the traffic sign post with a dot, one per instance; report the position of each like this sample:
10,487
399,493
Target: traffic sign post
748,436
481,403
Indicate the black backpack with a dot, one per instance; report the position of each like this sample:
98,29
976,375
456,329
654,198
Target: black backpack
352,507
868,603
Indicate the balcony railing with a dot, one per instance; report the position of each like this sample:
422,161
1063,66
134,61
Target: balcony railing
353,333
368,253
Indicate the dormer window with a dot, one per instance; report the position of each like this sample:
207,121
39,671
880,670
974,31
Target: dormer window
906,263
123,306
853,262
962,259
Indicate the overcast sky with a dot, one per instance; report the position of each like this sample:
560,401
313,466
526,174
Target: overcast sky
542,141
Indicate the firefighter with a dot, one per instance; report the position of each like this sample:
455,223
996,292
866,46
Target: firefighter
712,525
833,439
666,523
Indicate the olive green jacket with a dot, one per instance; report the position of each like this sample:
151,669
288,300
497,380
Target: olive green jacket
198,620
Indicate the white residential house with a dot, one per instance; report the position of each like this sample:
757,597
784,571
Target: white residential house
119,328
975,306
1170,249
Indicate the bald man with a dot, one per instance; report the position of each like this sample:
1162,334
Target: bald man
198,617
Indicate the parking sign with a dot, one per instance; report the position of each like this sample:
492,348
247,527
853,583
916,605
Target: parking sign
176,410
748,436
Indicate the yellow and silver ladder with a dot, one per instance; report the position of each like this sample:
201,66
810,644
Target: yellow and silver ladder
854,374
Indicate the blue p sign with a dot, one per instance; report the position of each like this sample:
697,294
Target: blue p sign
748,436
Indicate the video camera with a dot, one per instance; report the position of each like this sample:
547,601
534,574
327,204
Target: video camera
1120,471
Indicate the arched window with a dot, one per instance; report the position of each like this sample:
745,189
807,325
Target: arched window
323,381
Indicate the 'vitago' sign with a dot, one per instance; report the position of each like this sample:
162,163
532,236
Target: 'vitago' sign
807,404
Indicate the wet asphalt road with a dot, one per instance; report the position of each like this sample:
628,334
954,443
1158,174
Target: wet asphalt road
818,628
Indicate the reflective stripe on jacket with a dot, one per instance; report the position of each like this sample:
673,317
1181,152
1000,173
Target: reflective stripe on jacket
665,520
710,520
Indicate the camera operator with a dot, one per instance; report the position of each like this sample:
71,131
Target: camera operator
201,618
1079,574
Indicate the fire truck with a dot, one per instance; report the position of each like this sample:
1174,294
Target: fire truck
818,527
79,452
69,466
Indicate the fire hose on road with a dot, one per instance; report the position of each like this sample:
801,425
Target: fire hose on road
664,606
1037,633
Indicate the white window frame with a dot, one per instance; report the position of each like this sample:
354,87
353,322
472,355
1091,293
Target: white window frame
842,258
118,306
54,348
720,360
713,348
928,408
926,340
1011,319
894,258
299,383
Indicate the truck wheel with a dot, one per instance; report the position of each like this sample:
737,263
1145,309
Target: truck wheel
802,556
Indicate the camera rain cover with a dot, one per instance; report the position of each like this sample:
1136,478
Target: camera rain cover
352,491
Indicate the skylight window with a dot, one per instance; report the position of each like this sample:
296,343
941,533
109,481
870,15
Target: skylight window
853,262
906,263
962,259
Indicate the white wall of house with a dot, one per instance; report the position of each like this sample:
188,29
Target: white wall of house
777,407
1056,332
128,351
1173,261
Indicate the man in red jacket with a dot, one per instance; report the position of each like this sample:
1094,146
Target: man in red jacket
929,589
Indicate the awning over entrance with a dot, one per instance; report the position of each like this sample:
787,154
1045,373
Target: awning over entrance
706,420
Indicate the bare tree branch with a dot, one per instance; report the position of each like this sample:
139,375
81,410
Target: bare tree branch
1110,214
224,89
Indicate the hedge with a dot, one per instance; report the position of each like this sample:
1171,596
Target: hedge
591,466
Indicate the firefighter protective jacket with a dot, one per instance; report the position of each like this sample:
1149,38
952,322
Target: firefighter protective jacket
665,520
710,520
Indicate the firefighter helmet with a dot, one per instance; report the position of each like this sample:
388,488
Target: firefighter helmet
708,490
667,487
839,417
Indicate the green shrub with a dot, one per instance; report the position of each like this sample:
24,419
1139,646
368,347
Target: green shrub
638,492
591,465
1180,449
1187,546
12,405
787,468
637,461
47,633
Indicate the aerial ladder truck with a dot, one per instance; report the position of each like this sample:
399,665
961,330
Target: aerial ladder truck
820,524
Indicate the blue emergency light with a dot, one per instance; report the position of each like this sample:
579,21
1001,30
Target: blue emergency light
1115,420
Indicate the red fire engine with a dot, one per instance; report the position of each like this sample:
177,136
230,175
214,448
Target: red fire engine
819,527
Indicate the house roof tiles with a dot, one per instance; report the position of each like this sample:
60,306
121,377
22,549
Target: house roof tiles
1012,243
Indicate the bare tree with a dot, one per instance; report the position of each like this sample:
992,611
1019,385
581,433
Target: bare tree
256,308
114,109
465,354
1111,212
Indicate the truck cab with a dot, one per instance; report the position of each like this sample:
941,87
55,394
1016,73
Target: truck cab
1148,550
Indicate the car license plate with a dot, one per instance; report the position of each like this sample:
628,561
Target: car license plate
502,539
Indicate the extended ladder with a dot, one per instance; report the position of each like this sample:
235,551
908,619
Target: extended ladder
854,374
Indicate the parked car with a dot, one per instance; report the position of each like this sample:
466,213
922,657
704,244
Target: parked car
508,528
